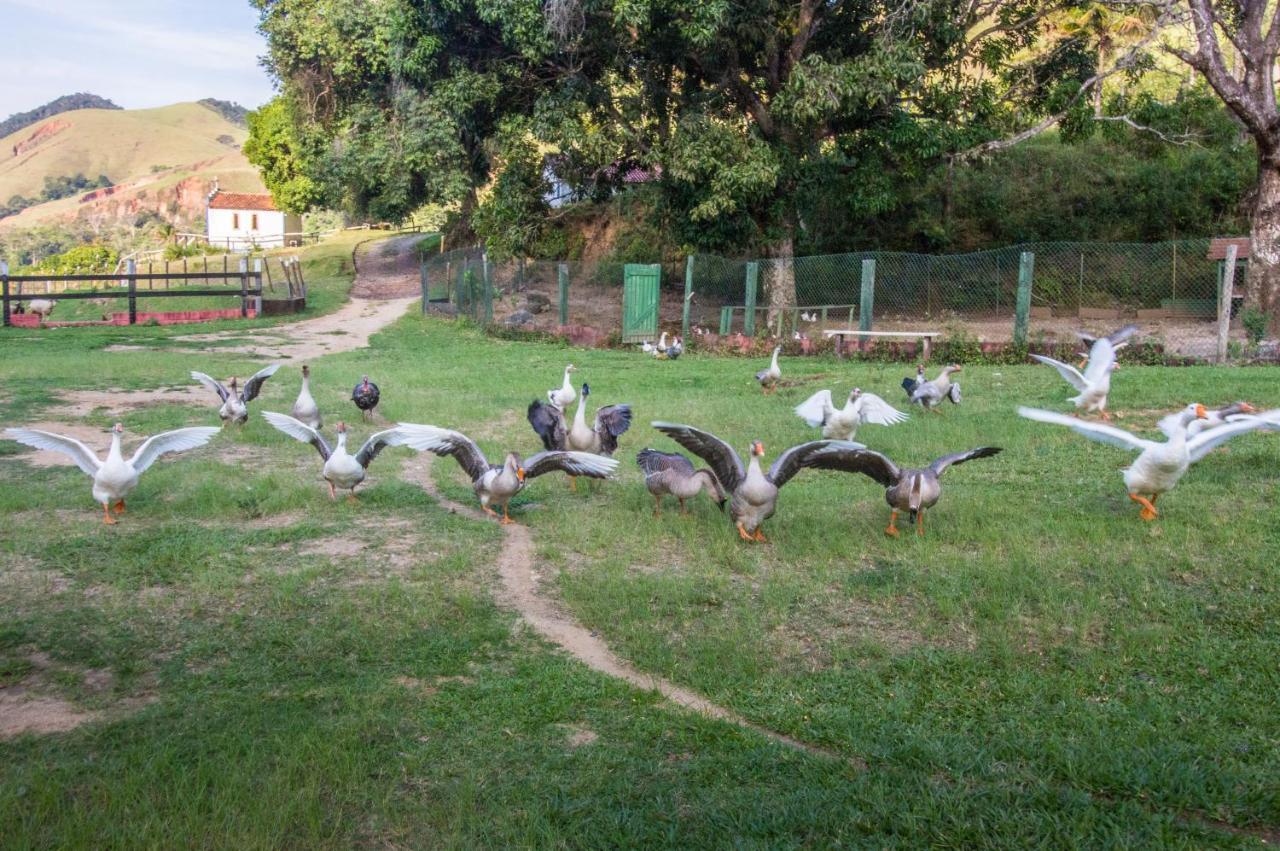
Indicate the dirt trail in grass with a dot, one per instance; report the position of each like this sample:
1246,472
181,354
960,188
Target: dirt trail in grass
388,269
520,591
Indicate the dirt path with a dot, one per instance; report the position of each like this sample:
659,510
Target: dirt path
388,269
519,591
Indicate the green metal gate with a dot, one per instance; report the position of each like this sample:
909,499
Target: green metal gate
640,302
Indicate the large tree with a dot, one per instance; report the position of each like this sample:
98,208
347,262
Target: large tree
1235,46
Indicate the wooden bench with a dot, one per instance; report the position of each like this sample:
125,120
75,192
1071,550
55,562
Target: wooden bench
924,337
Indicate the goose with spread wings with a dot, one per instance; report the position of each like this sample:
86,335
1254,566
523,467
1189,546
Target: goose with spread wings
1118,341
1160,464
499,483
842,423
905,489
599,438
235,402
114,477
1092,385
753,493
929,394
341,468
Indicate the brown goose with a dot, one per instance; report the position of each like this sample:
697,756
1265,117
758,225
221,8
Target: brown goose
910,490
673,473
501,482
753,493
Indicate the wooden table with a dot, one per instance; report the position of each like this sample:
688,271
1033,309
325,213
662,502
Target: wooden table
924,337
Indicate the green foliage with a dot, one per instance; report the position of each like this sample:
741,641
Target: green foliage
275,149
79,260
1255,325
512,219
54,189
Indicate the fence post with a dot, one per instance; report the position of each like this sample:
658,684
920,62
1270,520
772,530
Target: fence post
244,286
726,320
257,284
749,316
562,282
1022,312
488,289
131,270
688,297
1225,297
424,283
866,307
4,290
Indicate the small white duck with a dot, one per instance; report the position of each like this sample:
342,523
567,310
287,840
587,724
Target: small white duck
842,424
1095,382
341,468
647,347
563,396
235,402
114,478
305,409
1159,465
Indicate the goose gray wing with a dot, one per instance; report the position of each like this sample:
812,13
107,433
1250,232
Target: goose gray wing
445,443
548,422
792,461
574,463
653,463
612,421
378,442
254,384
299,431
960,457
724,462
848,457
212,383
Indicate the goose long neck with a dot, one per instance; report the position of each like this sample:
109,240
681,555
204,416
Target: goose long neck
342,442
580,415
773,364
114,453
306,384
753,467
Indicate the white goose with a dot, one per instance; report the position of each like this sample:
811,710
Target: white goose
843,424
563,396
768,378
660,350
341,468
305,409
115,477
1094,383
1159,465
235,403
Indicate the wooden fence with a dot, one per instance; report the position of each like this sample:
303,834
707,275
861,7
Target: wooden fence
249,289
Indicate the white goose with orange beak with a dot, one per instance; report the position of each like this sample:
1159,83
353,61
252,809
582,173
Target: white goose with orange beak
1159,466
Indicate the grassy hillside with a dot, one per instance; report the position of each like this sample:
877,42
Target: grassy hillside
145,152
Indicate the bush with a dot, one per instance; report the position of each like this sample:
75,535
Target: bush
1255,325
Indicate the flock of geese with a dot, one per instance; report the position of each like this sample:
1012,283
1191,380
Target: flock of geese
584,445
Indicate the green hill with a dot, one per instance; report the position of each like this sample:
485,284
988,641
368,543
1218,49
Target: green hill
157,159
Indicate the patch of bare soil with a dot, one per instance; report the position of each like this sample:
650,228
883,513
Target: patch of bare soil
388,269
577,736
77,404
28,707
519,591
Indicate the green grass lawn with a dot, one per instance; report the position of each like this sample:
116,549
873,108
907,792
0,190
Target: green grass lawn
1042,669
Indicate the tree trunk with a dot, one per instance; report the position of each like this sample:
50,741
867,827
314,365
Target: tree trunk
780,274
1264,235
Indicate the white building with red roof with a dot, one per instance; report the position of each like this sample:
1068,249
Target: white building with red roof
240,221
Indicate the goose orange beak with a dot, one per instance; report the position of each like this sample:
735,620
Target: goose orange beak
1246,408
1201,413
520,473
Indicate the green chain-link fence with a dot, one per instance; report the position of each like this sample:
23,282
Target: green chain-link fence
1169,288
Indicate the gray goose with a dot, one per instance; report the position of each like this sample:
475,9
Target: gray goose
501,482
910,490
672,473
600,438
753,493
235,403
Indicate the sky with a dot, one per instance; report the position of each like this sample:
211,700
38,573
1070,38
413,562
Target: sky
138,53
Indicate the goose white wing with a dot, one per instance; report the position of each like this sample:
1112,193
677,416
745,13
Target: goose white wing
299,431
1206,441
814,410
1094,431
877,411
1067,371
212,383
178,440
75,450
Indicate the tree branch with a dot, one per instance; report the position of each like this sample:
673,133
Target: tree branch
1183,139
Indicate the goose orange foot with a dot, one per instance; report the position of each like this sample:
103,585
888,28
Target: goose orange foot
119,507
759,536
1148,506
892,531
744,534
106,515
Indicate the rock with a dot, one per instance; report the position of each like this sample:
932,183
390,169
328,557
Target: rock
520,317
442,308
537,302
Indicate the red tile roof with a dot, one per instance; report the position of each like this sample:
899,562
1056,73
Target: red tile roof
241,201
1218,247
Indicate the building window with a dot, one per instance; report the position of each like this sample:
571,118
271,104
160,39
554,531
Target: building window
253,222
235,221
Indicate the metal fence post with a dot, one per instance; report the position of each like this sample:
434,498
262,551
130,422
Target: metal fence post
1022,313
867,305
488,289
132,271
749,315
1225,297
422,282
688,296
4,291
726,320
244,287
562,282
